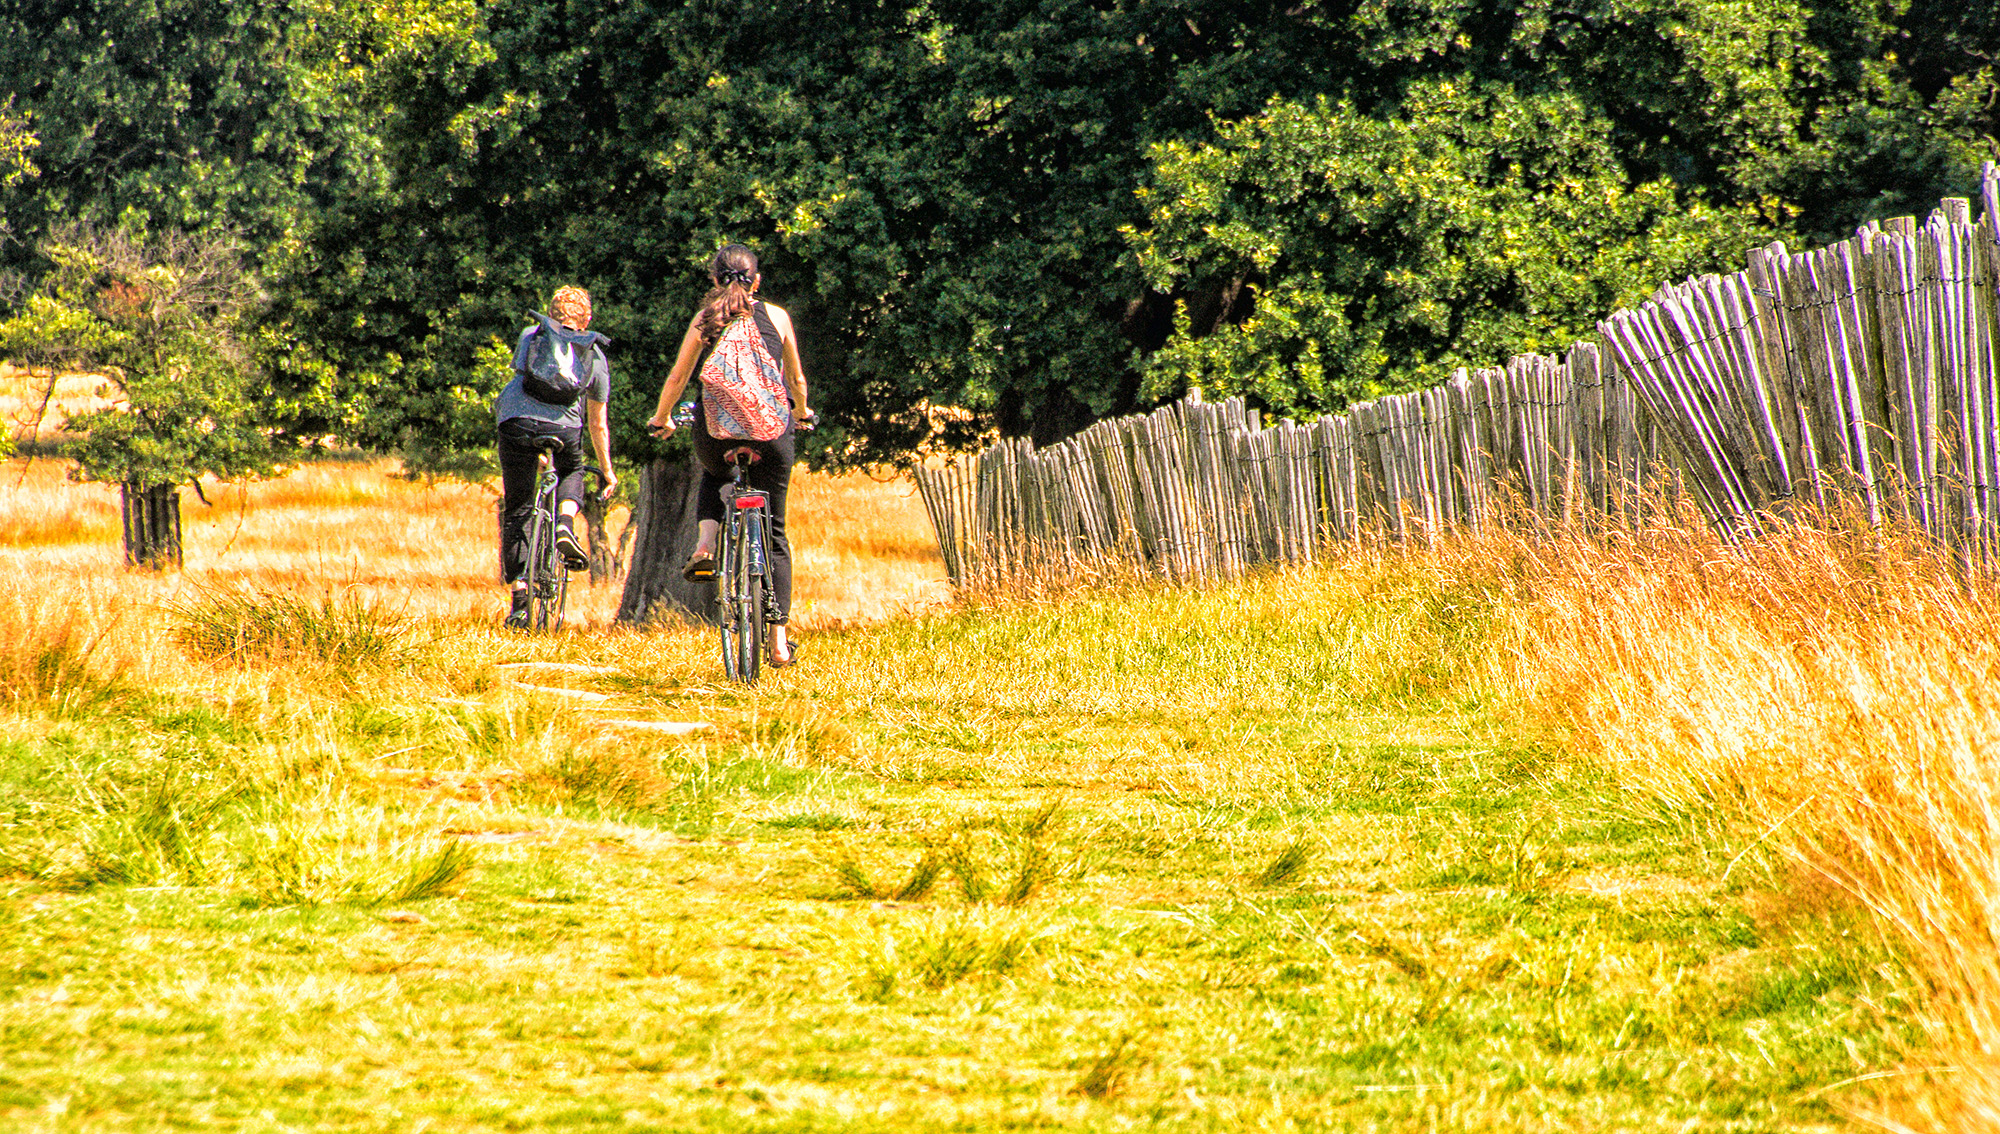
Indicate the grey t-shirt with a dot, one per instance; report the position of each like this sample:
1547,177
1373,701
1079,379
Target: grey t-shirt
514,402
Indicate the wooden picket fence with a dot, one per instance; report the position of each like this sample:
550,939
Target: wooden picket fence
1862,373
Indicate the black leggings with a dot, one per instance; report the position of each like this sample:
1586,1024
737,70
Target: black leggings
517,482
772,474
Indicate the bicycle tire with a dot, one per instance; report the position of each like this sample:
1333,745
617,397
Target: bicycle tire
725,597
753,597
733,610
548,579
535,570
556,594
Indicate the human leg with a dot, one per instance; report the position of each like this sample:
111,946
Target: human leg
569,499
517,495
772,475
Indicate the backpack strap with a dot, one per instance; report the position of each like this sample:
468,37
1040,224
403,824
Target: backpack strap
773,341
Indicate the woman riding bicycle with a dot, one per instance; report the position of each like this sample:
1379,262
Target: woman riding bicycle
722,429
523,420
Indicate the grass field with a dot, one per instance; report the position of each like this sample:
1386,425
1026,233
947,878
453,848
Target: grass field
299,839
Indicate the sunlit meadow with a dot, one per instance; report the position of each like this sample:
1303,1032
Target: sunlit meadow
1489,835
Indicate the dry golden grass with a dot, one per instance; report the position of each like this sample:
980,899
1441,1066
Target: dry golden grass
351,528
1834,691
862,549
32,409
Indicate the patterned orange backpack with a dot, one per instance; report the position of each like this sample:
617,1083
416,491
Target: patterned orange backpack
743,392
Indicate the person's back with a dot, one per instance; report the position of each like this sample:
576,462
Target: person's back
758,402
523,419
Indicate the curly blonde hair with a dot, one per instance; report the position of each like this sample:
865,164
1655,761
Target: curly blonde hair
570,306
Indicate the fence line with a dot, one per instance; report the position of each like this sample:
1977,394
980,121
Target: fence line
1861,372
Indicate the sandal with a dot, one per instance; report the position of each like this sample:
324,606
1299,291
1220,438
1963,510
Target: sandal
791,657
700,568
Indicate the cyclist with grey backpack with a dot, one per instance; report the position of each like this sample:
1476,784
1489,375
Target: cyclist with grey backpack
560,388
753,399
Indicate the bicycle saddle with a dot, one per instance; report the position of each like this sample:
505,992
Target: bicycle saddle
546,444
741,455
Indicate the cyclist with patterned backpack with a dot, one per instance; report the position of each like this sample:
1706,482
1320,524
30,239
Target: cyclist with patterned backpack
753,396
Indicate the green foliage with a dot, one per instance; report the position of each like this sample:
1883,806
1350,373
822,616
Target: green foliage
17,141
941,193
159,318
1369,255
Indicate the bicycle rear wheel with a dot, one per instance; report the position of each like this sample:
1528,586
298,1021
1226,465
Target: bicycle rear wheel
548,579
740,605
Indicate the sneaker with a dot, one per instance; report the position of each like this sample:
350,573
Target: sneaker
517,613
572,552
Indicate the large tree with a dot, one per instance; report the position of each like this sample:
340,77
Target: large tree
161,319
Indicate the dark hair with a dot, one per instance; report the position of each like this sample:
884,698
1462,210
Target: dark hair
733,270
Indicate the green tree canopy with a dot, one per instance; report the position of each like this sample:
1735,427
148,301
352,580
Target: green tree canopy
942,190
1355,255
160,319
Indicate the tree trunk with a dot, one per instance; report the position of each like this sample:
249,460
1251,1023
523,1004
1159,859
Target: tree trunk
664,517
603,569
152,516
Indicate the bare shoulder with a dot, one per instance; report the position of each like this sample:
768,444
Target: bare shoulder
780,318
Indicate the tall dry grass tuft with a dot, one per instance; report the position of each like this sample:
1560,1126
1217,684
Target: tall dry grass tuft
1830,689
60,653
335,629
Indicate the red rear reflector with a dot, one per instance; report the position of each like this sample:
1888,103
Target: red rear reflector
749,502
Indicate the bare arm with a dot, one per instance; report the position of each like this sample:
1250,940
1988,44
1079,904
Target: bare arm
795,371
598,421
662,421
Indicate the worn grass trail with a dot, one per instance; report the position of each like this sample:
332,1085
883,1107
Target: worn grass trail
1256,857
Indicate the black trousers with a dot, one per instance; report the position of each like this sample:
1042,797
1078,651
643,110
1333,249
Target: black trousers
517,482
771,474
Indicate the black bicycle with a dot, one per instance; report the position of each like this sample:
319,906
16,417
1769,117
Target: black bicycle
548,575
746,603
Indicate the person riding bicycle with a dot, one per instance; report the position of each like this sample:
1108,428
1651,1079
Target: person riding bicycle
720,429
523,421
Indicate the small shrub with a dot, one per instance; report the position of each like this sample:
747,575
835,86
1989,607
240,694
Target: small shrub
854,881
1286,865
954,952
308,847
143,819
249,626
965,868
609,775
923,877
849,874
1033,865
1105,1075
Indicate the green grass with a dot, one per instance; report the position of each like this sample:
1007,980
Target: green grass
1257,857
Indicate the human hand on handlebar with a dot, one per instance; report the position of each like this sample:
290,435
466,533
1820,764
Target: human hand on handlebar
804,420
661,425
610,485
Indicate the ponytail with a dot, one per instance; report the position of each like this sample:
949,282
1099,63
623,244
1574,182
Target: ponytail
733,271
